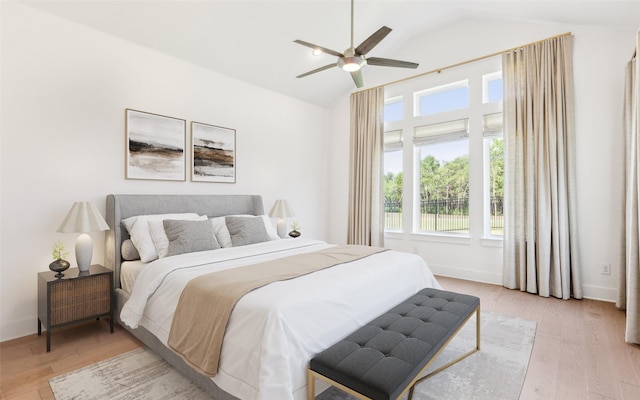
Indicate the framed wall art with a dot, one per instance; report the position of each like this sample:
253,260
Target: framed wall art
155,146
213,153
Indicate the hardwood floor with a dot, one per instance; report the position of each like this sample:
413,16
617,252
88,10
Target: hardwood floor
579,350
26,367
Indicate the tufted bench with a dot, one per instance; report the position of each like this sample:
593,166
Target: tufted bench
386,357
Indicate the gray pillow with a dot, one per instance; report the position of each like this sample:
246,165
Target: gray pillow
189,236
246,230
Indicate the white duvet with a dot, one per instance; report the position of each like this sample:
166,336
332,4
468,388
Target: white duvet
275,330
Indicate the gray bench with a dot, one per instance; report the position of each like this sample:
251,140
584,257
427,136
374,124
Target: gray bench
388,356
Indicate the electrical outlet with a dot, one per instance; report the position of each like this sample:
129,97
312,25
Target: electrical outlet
606,269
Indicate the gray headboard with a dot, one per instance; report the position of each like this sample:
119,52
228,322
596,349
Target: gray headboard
121,206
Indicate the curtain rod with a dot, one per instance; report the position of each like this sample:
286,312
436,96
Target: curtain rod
438,70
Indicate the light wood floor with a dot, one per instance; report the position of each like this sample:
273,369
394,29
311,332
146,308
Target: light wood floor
579,350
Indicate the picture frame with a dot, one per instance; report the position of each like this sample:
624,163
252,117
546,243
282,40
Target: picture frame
155,146
213,153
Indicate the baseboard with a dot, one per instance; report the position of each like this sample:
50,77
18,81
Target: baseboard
591,292
599,293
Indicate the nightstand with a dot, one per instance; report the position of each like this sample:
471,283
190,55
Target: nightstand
77,296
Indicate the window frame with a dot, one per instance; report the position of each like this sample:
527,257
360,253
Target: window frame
476,77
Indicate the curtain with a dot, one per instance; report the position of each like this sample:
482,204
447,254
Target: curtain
365,225
540,238
629,277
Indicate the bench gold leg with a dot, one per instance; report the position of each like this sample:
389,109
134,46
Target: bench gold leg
311,386
450,363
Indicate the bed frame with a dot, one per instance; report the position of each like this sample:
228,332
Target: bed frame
121,206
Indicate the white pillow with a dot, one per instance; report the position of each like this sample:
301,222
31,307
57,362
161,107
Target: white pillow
159,236
222,233
138,228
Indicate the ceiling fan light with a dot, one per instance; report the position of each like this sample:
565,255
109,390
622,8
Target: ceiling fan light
351,64
316,52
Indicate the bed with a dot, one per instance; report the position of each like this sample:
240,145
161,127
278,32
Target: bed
274,330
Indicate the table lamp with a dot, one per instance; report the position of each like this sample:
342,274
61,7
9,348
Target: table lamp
82,218
281,210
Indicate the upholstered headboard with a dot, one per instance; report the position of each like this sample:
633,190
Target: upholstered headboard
121,206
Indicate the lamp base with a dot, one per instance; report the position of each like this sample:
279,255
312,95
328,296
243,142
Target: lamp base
84,250
282,228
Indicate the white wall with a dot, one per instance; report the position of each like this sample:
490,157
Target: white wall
599,59
64,91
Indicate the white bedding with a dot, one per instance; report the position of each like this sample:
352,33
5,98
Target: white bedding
129,271
275,330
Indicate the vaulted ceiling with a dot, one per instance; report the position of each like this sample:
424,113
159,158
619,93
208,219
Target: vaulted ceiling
253,40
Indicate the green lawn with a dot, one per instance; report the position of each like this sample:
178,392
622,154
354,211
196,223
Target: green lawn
442,223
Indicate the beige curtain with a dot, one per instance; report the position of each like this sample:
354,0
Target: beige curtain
365,224
629,277
540,240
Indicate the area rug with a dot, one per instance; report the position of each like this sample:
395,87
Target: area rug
497,371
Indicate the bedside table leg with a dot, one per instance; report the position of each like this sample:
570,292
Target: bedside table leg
39,327
48,340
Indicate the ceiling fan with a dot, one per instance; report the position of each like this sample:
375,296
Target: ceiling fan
353,59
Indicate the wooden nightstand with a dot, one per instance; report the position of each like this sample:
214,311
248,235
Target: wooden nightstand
74,298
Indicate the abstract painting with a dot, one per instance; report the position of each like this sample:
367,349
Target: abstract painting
214,153
155,146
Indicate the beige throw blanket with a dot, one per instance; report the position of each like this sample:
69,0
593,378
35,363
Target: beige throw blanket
206,302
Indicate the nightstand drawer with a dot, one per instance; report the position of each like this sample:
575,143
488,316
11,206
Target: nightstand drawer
76,299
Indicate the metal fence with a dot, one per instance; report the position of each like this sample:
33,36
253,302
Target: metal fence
444,215
393,215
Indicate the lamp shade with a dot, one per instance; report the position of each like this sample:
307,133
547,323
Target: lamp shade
83,217
281,209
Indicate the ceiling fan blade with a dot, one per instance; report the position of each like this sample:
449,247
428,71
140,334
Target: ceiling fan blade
387,62
357,78
372,41
316,47
317,70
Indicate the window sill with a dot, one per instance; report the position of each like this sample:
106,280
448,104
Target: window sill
441,238
496,241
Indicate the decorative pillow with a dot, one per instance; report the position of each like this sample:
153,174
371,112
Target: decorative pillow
129,251
189,236
138,228
222,233
246,230
159,237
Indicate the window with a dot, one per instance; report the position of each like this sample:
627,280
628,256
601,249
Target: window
443,151
393,109
393,189
453,136
492,87
494,174
449,97
393,182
